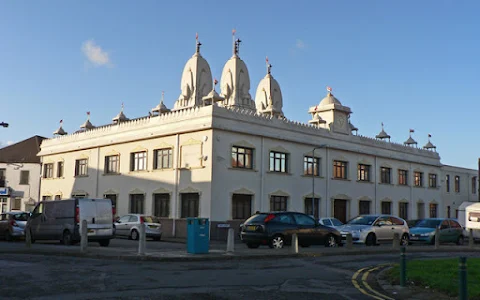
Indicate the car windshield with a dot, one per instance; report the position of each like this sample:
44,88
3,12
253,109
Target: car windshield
20,217
362,220
150,219
336,222
256,218
428,223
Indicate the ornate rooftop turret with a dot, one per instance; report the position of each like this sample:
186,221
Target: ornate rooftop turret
429,145
316,120
268,98
410,140
213,96
335,114
120,117
60,130
160,108
382,135
87,125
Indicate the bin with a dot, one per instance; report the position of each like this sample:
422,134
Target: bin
198,237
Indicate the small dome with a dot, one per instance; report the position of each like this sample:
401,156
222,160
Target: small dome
269,96
382,135
60,131
120,118
429,145
87,125
410,141
213,96
329,99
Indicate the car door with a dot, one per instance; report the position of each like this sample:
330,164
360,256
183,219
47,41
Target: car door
445,235
306,229
37,222
284,224
398,226
456,230
383,228
134,221
121,226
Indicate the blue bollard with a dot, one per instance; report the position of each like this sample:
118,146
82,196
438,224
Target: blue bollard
403,267
462,279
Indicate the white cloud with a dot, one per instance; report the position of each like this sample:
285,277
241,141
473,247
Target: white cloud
95,54
5,144
10,143
300,44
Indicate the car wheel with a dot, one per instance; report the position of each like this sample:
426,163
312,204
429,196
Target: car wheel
331,241
371,240
134,235
277,242
67,238
252,245
404,241
460,240
8,236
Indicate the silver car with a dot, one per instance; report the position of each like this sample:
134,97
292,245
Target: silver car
374,229
330,222
12,224
128,226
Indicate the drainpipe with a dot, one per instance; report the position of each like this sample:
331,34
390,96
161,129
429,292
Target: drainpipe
410,173
98,173
327,163
262,176
176,183
376,185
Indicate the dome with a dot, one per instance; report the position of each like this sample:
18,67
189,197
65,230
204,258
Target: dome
60,131
382,135
329,99
120,118
269,95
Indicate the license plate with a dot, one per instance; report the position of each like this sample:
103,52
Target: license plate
251,227
91,231
414,237
151,226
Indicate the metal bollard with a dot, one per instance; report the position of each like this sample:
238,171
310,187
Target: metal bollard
294,243
470,238
28,237
462,278
437,237
231,240
141,239
396,240
83,236
403,267
349,241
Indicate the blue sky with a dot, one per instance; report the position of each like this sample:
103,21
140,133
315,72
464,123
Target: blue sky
408,64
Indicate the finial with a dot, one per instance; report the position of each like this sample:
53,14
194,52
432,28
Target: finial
237,46
233,41
382,125
215,82
88,115
429,136
122,107
61,122
163,96
329,89
269,66
411,131
198,44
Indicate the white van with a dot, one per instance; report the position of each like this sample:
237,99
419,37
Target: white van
60,220
469,218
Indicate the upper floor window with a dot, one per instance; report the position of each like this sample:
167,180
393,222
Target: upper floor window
418,178
48,171
432,180
112,164
474,185
138,161
278,162
60,169
163,158
3,180
24,176
311,165
447,183
339,169
385,175
457,184
402,177
363,172
242,157
81,167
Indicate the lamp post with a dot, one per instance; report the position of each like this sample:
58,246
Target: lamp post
313,176
3,124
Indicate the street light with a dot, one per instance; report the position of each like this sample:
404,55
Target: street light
3,124
313,177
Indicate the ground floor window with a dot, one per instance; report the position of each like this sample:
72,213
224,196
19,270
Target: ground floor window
433,210
278,203
112,197
448,211
308,207
161,205
16,204
190,203
403,210
137,203
3,205
46,198
363,207
241,206
386,208
420,211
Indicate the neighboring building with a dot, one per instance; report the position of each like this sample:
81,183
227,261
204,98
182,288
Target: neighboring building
225,156
20,175
459,185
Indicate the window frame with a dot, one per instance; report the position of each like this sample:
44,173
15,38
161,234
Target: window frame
311,165
159,158
474,184
138,198
242,160
81,165
403,210
457,184
109,163
48,170
278,201
432,180
433,210
135,159
418,179
242,205
363,172
194,201
447,183
161,205
389,207
368,203
308,207
385,175
24,181
340,169
402,177
60,169
280,162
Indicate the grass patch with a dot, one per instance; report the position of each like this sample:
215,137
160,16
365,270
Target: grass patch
440,275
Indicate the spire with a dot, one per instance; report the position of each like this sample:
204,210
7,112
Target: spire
60,130
382,135
410,140
120,117
429,145
197,43
160,108
87,125
269,66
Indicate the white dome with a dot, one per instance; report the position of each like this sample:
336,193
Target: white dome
329,99
269,93
235,84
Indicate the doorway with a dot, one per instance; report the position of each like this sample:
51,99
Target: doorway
340,210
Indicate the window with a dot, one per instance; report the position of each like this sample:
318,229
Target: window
385,175
278,162
386,208
190,202
241,206
161,205
278,203
363,172
364,207
3,180
60,169
112,197
474,185
396,221
457,184
242,157
112,164
403,210
327,222
402,177
304,220
79,195
24,176
455,224
418,178
47,170
58,197
433,210
420,211
16,204
308,207
284,219
137,203
447,183
163,159
311,166
81,167
432,180
339,169
138,161
46,198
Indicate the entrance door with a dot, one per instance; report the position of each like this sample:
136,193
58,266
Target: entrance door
340,210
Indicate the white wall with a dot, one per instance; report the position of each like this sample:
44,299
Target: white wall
23,191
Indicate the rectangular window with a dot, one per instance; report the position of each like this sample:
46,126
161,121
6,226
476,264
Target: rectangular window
447,183
24,176
363,172
161,205
278,162
474,185
403,210
386,208
81,167
418,178
46,198
112,164
339,169
433,210
112,197
385,175
58,197
308,207
137,202
402,177
138,161
60,169
311,166
432,180
364,207
457,184
190,203
163,159
16,204
242,157
3,180
278,203
48,171
420,211
241,206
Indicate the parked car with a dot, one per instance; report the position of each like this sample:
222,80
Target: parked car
60,220
373,229
128,226
330,222
450,231
12,224
275,229
412,223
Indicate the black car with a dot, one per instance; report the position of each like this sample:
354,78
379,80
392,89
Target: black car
275,229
